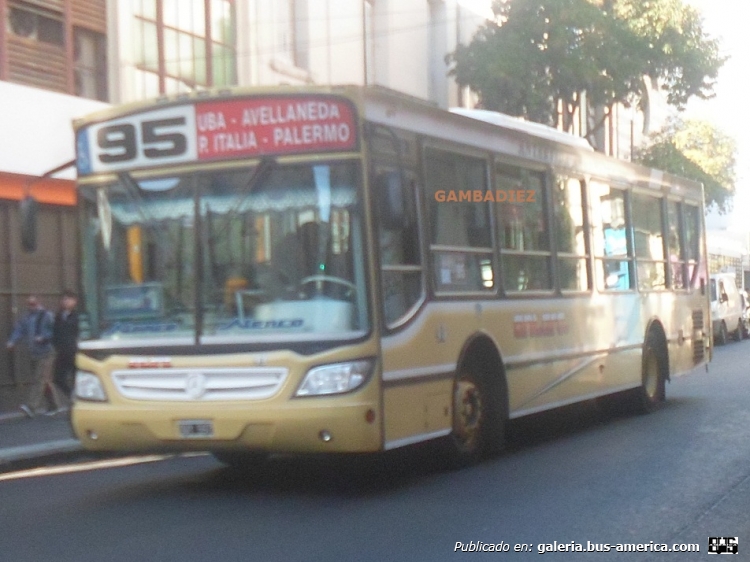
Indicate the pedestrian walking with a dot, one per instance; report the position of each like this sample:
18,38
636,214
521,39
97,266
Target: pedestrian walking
65,342
34,330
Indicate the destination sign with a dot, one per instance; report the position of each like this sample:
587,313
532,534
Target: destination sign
221,129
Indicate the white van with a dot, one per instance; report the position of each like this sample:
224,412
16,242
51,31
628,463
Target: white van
726,308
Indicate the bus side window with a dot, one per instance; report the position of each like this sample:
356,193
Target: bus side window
693,241
676,247
648,236
400,255
613,263
523,233
461,237
570,234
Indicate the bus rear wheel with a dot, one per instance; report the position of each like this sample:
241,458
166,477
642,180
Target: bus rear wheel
478,427
654,375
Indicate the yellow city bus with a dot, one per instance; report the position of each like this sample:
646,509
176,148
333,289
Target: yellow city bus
349,269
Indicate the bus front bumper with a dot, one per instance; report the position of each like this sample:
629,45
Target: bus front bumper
315,425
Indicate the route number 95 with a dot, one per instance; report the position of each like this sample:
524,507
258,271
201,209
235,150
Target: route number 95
163,136
158,139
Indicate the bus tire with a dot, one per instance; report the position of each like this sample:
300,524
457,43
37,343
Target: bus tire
654,373
242,460
478,423
738,332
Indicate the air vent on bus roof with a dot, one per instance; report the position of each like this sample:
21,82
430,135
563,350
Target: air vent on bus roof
529,127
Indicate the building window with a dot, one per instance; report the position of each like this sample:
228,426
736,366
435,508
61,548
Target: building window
90,64
369,40
30,22
292,38
183,45
54,45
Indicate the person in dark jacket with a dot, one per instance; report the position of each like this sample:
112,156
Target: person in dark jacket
65,341
35,330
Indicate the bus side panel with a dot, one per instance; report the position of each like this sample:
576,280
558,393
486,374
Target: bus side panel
556,351
418,372
562,350
417,410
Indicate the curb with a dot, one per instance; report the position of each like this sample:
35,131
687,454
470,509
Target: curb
33,455
30,456
11,416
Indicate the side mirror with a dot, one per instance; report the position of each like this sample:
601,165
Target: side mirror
389,193
724,297
28,210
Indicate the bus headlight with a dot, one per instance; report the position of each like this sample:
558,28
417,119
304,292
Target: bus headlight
336,378
89,387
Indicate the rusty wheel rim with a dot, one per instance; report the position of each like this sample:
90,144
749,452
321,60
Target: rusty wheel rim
467,416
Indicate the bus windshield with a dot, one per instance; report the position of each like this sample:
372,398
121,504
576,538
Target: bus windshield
275,250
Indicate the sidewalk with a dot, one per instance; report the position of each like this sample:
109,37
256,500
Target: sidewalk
25,442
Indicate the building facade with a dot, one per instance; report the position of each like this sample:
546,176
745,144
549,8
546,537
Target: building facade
35,137
57,45
172,46
53,68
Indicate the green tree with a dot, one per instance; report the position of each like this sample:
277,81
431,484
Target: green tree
699,151
544,59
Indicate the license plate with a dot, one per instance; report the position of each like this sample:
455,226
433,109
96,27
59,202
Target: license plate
196,429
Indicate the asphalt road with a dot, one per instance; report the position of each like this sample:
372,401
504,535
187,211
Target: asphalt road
679,475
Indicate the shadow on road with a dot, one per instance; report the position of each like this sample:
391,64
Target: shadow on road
377,473
362,476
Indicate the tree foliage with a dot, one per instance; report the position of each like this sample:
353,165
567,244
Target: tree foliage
540,58
699,151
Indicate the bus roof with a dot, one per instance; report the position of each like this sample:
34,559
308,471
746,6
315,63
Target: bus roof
536,129
512,137
494,131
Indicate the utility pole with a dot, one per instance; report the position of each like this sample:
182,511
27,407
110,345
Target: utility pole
364,41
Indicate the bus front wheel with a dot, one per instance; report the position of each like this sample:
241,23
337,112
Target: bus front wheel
478,427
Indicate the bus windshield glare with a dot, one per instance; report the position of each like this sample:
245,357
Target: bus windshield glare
227,255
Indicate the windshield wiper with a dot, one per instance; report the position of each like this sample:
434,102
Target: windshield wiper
261,171
266,164
133,192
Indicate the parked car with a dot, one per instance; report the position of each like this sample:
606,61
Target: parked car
727,308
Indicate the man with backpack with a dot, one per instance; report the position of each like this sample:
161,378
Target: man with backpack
35,330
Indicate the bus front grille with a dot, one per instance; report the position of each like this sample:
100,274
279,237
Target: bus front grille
196,385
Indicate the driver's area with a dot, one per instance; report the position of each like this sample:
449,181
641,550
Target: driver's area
286,256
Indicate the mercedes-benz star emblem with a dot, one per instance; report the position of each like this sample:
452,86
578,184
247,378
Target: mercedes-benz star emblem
195,385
